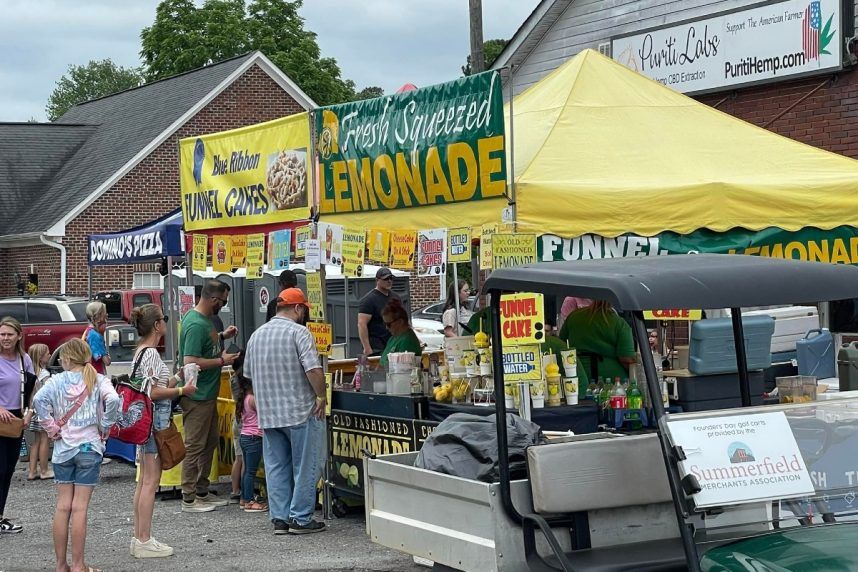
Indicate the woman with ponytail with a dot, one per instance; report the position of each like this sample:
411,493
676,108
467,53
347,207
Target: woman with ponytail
76,409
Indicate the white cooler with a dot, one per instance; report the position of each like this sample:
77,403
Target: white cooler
791,324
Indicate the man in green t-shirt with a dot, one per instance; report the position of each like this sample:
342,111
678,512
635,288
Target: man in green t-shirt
199,344
598,330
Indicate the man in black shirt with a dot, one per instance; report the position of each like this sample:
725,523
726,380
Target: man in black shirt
371,329
287,279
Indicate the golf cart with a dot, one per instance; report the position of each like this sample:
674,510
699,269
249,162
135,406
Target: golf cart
655,501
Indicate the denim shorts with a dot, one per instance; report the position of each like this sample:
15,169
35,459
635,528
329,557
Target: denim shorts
82,469
161,420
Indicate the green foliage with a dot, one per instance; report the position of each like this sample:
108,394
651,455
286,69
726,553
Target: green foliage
826,36
91,81
491,50
369,93
185,37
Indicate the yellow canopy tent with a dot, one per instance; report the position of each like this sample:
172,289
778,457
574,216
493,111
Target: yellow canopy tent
602,149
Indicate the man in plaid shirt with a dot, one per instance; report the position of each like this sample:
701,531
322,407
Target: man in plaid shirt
289,388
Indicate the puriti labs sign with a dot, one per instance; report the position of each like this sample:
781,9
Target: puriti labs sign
764,43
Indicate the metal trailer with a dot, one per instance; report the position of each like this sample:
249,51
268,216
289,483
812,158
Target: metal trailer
468,525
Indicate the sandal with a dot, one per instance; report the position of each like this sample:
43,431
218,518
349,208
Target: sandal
93,569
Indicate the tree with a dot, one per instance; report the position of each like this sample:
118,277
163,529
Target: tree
369,93
91,81
491,49
185,37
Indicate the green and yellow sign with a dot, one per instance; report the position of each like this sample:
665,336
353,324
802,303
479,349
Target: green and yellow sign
432,146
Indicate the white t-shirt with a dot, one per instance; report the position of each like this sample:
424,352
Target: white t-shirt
153,369
448,318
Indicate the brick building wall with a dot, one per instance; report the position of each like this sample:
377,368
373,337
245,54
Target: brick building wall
148,191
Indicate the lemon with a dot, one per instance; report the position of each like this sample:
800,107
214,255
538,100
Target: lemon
353,476
344,470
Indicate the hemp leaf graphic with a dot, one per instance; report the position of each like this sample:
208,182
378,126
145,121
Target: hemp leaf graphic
826,36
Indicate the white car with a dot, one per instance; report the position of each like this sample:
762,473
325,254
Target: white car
429,332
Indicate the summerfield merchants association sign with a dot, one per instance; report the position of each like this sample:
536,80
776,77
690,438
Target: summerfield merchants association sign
767,42
741,459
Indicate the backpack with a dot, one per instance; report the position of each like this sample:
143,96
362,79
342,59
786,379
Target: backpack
137,410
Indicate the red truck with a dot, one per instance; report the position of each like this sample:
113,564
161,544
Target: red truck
54,320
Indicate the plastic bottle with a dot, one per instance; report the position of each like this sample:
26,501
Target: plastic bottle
359,371
618,398
635,404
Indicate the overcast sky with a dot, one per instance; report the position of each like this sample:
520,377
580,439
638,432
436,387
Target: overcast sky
376,42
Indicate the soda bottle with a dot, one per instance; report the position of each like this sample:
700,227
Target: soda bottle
618,396
635,403
591,391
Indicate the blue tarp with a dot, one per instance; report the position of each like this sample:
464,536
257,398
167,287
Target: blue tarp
145,243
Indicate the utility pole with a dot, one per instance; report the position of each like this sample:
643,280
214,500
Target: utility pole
478,58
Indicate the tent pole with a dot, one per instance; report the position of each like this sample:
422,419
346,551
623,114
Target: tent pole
89,282
171,312
457,328
511,155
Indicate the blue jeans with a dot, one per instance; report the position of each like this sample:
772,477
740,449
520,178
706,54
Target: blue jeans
251,450
293,462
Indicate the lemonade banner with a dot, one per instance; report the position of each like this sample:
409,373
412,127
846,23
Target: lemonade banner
200,252
522,319
838,245
281,241
314,295
249,176
302,235
432,252
379,245
354,246
402,249
437,145
487,231
312,255
238,251
673,314
221,253
459,245
323,335
511,250
255,255
522,363
331,241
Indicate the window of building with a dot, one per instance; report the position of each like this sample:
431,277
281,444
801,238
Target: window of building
147,280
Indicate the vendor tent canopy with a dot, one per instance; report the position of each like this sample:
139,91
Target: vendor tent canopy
151,241
602,149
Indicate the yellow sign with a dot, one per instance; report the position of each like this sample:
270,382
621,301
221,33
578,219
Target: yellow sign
238,251
673,314
510,250
328,393
522,319
323,335
302,235
200,252
486,233
402,249
221,253
522,363
255,255
379,245
314,295
459,245
354,242
248,176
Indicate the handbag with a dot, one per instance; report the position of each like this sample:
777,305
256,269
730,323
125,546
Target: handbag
171,446
14,429
137,412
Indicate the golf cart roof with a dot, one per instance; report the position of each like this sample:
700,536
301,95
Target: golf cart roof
684,281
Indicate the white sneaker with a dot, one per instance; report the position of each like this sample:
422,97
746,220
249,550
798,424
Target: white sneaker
150,549
211,500
196,506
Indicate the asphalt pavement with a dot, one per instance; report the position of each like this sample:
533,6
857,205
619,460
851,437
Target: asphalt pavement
224,540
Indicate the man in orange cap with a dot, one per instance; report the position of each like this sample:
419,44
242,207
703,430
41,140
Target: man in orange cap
289,388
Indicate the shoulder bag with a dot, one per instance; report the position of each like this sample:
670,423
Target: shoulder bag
171,446
136,411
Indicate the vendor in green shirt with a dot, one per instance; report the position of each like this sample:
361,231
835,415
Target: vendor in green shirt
598,329
402,337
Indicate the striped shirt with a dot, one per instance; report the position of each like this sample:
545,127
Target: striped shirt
278,356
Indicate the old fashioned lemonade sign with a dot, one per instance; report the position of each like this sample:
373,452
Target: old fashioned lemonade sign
437,145
741,459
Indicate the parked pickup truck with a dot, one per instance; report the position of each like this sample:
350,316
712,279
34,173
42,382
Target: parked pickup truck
54,320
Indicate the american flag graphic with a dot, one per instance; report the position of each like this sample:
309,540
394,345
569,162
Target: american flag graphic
811,25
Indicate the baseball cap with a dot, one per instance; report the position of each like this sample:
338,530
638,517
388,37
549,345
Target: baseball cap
383,274
291,296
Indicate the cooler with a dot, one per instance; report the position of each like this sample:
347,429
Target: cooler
815,354
712,349
847,367
791,324
707,392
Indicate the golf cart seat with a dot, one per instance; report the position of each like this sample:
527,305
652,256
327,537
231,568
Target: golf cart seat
582,474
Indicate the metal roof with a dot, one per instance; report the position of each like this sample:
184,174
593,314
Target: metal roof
684,281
